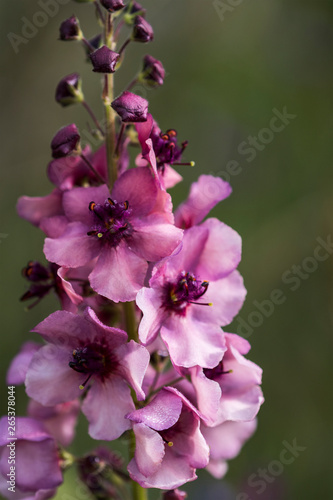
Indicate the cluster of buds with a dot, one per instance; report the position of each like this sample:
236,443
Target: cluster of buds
137,344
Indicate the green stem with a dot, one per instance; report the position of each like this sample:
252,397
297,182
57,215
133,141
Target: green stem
108,97
130,321
138,492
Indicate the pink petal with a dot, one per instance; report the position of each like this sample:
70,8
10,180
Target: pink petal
154,238
74,248
133,362
191,342
34,209
204,195
105,407
50,380
208,394
173,472
227,296
149,301
149,449
119,273
161,413
138,187
19,366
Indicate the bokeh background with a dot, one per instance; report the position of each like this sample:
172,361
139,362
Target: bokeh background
228,68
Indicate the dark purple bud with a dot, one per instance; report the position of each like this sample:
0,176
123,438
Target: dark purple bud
131,107
113,5
65,142
35,272
70,29
69,90
104,60
174,495
153,72
142,31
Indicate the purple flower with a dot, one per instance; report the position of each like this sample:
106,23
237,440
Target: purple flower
66,141
83,353
59,420
204,195
225,442
70,29
153,72
113,5
69,90
19,365
169,444
192,294
142,30
37,464
124,230
131,107
104,60
229,391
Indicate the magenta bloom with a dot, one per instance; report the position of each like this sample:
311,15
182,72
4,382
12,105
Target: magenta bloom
124,230
229,391
192,294
36,460
204,195
83,353
169,444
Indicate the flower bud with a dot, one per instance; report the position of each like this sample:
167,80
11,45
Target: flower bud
131,107
142,31
69,90
66,141
132,10
174,495
153,72
70,29
104,60
113,5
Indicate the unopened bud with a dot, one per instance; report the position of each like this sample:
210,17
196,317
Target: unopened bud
153,72
131,107
69,90
113,5
104,60
66,141
70,29
142,31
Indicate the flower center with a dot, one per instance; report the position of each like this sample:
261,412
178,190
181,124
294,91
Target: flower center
166,148
216,372
187,290
92,359
111,221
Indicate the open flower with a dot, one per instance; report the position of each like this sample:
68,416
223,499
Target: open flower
192,294
83,353
124,229
36,459
169,444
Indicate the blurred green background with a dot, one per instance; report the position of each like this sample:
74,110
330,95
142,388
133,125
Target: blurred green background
228,67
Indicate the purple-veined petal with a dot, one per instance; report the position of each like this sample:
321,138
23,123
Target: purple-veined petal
133,363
